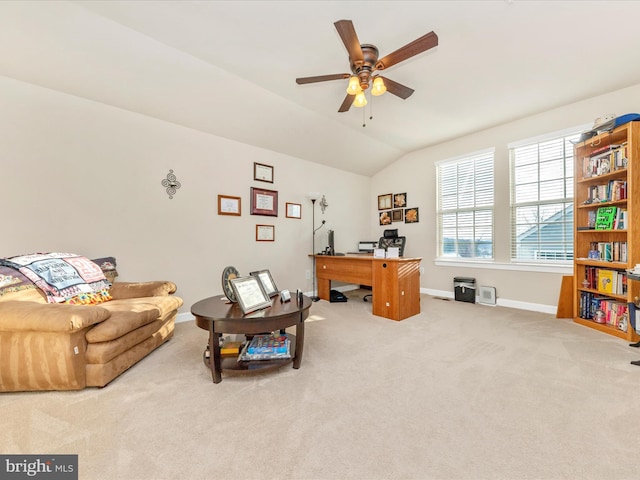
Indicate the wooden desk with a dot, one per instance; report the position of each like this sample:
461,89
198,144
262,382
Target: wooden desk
395,282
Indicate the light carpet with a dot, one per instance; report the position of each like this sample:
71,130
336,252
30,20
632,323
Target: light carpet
460,391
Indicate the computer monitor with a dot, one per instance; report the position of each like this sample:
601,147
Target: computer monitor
331,249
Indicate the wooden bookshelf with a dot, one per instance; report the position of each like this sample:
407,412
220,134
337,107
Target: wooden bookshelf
595,180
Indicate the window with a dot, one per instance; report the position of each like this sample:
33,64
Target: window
465,206
542,198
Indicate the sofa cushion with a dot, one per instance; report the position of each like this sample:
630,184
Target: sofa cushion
31,316
165,305
120,290
125,317
102,352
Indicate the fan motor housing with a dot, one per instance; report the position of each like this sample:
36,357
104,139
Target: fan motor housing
365,68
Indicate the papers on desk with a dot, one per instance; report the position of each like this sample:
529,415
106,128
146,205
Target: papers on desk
393,252
378,253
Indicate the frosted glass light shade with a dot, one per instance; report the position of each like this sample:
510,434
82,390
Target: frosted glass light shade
360,100
378,87
354,85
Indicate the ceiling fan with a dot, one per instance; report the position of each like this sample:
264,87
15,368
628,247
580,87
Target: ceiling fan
365,66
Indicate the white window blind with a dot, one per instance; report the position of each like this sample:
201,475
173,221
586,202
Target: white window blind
465,206
542,199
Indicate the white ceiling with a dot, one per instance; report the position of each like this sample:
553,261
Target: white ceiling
229,67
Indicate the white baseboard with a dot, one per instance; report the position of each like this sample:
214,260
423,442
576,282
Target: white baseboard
501,302
184,317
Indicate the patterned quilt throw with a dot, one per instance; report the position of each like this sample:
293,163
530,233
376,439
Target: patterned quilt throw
61,276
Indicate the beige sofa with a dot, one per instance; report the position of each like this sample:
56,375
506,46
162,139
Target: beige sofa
56,346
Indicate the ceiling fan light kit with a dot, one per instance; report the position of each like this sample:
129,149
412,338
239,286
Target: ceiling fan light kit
364,62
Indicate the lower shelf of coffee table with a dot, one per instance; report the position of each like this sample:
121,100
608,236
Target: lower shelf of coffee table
230,363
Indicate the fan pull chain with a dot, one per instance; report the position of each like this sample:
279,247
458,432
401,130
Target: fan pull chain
364,115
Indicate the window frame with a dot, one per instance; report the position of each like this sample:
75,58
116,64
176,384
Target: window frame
485,155
569,137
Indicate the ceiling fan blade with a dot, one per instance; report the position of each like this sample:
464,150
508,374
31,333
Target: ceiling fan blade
396,88
350,39
346,104
322,78
420,45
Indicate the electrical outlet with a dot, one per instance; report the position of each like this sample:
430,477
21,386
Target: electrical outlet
308,274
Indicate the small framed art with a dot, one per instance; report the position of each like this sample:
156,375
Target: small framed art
250,294
411,215
264,202
294,210
266,279
265,233
262,172
399,200
384,201
385,218
397,215
228,205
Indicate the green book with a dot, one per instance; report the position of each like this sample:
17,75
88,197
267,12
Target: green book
605,218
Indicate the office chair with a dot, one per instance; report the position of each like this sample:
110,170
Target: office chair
390,239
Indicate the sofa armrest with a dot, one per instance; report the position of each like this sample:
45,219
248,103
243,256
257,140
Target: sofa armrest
122,290
16,315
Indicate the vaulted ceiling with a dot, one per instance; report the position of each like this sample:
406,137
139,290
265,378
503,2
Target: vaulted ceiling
229,67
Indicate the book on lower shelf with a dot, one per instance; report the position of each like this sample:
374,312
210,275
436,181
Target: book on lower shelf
267,347
231,348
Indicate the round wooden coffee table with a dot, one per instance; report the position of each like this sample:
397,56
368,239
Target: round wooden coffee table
217,316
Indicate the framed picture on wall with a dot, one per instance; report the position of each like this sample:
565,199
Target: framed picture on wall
264,202
385,218
265,233
294,210
262,172
384,201
411,215
397,215
400,200
228,205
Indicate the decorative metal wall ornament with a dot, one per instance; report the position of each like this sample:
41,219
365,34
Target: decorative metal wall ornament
323,204
171,183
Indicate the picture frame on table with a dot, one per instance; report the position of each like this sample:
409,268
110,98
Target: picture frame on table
265,233
293,210
266,279
262,172
250,294
385,201
264,202
228,205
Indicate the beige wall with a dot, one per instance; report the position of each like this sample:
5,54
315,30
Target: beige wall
415,174
82,177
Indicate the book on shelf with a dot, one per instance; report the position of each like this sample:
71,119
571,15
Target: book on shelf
230,348
606,311
605,218
267,347
604,160
606,279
